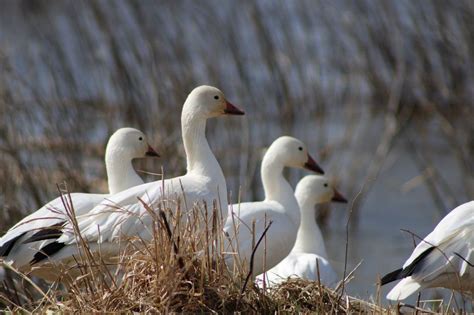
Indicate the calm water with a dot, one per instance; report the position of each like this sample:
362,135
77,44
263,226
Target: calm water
399,199
377,240
75,71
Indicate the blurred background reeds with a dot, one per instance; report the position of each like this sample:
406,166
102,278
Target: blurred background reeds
381,91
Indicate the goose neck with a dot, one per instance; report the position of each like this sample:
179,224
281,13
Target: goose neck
309,238
272,179
277,188
200,160
199,157
120,174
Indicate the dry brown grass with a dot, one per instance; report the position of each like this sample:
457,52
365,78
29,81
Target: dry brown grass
181,270
100,66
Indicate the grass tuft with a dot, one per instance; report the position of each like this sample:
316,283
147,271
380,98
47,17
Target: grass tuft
182,269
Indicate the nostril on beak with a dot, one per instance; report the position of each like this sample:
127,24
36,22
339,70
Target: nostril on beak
151,152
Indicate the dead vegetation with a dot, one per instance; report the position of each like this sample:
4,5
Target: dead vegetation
333,73
182,269
74,72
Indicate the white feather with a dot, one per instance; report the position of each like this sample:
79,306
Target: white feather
123,215
123,146
308,258
280,207
442,267
404,289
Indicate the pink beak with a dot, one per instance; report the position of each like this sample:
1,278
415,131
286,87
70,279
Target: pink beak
232,109
151,152
313,166
338,197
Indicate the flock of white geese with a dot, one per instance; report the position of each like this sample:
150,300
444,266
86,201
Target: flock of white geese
294,246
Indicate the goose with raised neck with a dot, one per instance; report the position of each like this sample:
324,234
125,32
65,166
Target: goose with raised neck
200,160
310,191
275,186
203,182
279,206
123,146
309,245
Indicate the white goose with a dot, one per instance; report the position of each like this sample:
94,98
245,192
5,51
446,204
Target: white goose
308,255
279,206
123,215
123,146
441,258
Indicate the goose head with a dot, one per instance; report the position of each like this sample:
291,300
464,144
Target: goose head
292,152
207,101
127,144
316,189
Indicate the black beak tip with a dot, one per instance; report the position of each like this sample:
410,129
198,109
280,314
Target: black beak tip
152,154
339,198
315,168
234,112
231,109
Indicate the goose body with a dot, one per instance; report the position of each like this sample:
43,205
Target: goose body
123,146
123,215
436,261
308,258
280,207
302,266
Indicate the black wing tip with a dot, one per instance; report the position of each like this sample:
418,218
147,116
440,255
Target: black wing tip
47,251
408,270
6,248
392,276
48,233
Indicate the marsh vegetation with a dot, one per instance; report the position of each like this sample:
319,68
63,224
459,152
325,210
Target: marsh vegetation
383,92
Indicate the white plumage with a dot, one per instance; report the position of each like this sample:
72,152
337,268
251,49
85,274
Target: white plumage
123,146
280,207
123,214
300,265
436,261
308,258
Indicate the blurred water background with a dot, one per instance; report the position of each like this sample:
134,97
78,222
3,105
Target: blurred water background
382,92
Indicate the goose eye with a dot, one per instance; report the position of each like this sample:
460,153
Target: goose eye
141,138
216,97
300,148
325,184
